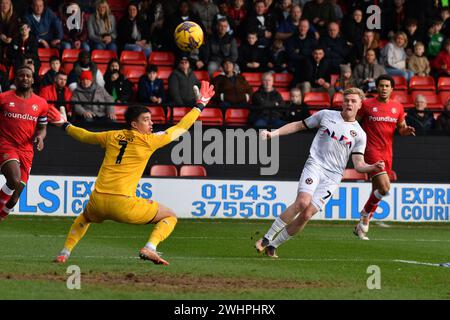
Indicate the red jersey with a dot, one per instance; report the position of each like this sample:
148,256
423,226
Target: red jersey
379,121
19,118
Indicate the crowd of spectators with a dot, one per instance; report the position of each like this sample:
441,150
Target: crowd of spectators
312,40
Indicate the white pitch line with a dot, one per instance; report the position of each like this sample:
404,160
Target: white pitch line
418,262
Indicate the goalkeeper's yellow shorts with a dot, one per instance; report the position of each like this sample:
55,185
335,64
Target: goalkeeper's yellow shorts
120,208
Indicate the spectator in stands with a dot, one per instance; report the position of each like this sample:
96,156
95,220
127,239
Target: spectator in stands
301,44
120,89
152,12
150,87
282,11
418,63
252,58
75,34
49,76
132,32
206,10
337,10
359,49
445,16
297,109
84,63
220,46
231,88
435,39
102,30
393,57
336,48
224,13
262,23
23,44
443,121
320,13
291,24
44,24
266,98
419,117
58,91
9,26
367,71
278,59
441,64
89,91
181,83
345,80
4,81
239,15
414,35
353,28
314,74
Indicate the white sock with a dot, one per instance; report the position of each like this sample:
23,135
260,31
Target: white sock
7,190
276,227
150,246
282,237
65,252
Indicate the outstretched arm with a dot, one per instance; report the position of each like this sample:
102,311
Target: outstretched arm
284,130
362,167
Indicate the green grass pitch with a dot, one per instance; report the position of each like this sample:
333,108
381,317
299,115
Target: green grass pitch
215,259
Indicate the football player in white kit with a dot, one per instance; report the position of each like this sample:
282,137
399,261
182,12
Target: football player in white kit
339,136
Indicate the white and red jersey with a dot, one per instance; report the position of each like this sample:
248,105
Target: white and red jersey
19,118
379,120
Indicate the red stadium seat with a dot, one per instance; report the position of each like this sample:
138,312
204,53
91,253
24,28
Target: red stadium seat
254,79
393,176
45,66
211,116
217,73
119,111
163,170
338,100
286,95
317,99
164,73
400,83
70,55
192,171
443,84
236,117
202,75
46,53
422,83
404,98
433,100
133,57
102,67
444,96
67,67
102,56
133,73
162,58
282,80
178,113
353,175
158,115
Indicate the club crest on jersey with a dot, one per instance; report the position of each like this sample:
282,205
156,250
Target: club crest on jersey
394,110
375,109
11,104
353,133
309,181
34,107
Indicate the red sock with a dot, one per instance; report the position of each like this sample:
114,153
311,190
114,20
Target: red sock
5,195
372,203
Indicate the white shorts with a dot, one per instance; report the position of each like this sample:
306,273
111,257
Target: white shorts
317,184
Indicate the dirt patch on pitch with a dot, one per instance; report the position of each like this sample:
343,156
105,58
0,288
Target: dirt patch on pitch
175,282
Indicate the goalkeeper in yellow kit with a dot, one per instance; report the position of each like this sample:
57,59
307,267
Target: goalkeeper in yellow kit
126,155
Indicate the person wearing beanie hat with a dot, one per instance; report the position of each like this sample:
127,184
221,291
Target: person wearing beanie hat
345,80
84,63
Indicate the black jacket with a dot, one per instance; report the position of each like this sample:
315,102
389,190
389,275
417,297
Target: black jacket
262,98
310,71
254,53
336,51
124,88
125,29
298,49
421,124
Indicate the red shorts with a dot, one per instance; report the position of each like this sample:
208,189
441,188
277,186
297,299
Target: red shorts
372,158
24,157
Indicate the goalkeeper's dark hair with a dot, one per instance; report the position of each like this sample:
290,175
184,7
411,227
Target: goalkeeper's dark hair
133,113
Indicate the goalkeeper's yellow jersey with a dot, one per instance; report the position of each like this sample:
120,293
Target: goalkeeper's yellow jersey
127,153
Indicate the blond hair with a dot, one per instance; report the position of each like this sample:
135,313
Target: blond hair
404,36
354,90
5,17
106,18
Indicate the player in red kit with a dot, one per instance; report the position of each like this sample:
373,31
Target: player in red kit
23,120
380,117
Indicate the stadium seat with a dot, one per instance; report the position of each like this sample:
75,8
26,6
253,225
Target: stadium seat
162,58
404,98
164,73
67,67
119,111
158,115
353,175
46,53
133,73
443,84
338,100
286,95
254,79
178,113
422,83
400,83
444,96
163,170
192,171
102,56
133,57
102,67
211,117
70,55
282,80
217,73
393,176
236,117
433,100
317,99
201,75
333,78
45,66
